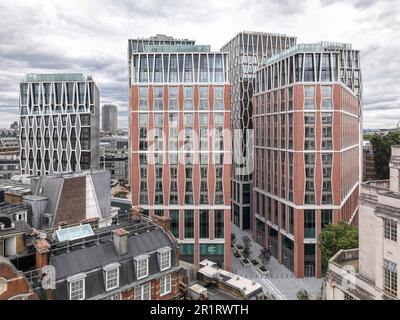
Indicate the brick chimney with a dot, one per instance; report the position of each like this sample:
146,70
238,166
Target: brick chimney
163,222
137,213
42,253
120,239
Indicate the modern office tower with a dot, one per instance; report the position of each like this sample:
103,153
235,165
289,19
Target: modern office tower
180,152
307,109
248,51
109,117
59,120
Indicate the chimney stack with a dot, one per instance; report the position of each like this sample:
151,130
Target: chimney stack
137,213
42,253
163,222
120,239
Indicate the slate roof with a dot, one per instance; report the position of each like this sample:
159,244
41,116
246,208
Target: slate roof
20,227
98,256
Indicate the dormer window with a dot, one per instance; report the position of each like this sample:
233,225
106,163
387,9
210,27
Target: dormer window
142,266
164,258
111,276
76,287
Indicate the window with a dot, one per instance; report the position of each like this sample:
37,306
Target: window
390,229
218,98
164,256
111,276
204,224
203,95
174,216
309,97
309,224
76,285
143,292
165,284
115,296
173,98
309,68
219,224
326,217
390,277
326,97
142,267
189,224
143,92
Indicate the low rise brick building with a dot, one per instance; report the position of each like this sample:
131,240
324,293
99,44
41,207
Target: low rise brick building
137,260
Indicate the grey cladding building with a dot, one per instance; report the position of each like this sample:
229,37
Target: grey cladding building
247,52
59,120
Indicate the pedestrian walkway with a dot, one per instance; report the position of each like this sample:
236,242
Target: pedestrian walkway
280,281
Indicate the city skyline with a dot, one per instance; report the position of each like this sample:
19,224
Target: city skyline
61,39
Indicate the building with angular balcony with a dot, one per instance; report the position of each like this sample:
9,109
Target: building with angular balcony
180,161
59,120
371,272
306,116
248,51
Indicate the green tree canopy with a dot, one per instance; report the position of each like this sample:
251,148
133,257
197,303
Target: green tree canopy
381,146
335,237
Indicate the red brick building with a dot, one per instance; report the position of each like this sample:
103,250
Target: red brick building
307,150
13,283
137,261
180,142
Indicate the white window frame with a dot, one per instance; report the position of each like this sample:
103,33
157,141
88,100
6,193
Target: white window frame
139,291
114,296
74,279
110,268
139,260
161,255
165,280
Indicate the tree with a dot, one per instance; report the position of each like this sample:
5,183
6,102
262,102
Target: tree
233,238
246,247
335,237
264,257
381,145
303,295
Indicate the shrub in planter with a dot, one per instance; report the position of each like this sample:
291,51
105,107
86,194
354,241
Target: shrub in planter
255,262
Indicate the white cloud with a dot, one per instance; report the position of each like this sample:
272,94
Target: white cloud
91,37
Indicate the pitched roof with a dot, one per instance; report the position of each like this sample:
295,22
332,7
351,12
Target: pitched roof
86,259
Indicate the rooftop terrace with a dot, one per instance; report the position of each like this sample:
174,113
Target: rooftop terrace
310,47
39,77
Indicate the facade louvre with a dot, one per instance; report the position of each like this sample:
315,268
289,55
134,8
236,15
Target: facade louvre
59,120
179,94
306,115
248,51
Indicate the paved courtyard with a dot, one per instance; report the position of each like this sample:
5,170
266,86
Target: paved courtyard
280,281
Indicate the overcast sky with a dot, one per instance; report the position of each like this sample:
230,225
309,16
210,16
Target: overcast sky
91,37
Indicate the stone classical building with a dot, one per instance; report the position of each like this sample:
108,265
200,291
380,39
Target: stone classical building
372,270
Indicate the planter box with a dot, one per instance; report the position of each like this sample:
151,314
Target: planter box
264,272
244,262
255,262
